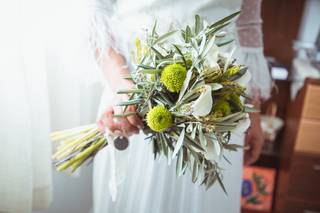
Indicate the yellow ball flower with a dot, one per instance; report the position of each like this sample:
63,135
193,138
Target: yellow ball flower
159,118
173,77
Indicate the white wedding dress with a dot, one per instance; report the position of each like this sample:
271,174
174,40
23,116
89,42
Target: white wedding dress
152,186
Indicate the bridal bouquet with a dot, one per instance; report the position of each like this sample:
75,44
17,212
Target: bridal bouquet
188,94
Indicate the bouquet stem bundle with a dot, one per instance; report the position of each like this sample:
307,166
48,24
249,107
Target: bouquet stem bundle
77,146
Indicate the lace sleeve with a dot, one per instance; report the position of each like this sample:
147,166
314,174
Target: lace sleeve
251,47
101,33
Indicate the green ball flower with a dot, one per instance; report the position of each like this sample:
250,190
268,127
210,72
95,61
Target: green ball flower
234,101
159,118
173,77
221,109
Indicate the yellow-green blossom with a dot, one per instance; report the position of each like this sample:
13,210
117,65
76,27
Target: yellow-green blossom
221,109
235,100
139,49
159,118
173,77
232,71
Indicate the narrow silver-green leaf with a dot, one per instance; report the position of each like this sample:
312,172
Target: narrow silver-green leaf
144,66
198,24
129,78
221,184
169,157
211,180
226,159
130,102
153,33
185,84
232,147
179,163
179,143
208,46
165,36
150,71
242,71
197,147
195,171
194,132
130,91
188,34
157,53
202,138
212,31
223,20
182,56
232,117
223,43
194,44
189,128
202,44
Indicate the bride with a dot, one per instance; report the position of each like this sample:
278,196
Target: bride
151,186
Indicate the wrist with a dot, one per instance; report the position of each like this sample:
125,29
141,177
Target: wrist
256,102
123,84
255,117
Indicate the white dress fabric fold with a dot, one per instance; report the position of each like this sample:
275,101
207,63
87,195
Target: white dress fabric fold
151,185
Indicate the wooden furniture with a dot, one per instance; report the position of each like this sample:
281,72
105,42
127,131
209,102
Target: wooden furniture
270,158
281,22
298,188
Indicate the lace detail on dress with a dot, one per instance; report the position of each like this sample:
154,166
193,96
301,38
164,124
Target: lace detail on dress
250,39
101,33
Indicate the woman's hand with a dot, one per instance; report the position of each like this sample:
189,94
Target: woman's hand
124,126
254,140
114,68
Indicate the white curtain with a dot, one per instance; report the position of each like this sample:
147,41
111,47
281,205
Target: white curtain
25,172
46,84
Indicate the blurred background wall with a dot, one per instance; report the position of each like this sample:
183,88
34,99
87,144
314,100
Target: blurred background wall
310,21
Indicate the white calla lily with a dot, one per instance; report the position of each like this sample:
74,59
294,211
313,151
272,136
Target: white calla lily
203,105
244,80
242,125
